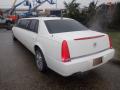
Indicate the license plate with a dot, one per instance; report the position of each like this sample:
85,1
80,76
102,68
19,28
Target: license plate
97,61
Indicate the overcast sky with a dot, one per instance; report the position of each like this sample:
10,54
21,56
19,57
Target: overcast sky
8,3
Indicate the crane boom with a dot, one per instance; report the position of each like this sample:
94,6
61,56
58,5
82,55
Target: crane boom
28,3
15,6
42,2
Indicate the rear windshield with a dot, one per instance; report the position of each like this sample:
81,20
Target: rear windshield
59,26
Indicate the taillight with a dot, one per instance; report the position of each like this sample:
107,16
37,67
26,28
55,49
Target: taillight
110,42
65,54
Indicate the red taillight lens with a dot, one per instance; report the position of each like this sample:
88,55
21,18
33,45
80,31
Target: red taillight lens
65,55
110,42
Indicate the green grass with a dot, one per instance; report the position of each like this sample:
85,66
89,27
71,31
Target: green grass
116,43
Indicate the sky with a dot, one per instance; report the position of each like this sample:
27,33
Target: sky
60,5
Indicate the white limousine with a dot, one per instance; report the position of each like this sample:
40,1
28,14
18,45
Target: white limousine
63,45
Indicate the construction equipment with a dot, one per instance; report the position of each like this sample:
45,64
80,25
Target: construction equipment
40,3
31,8
14,17
15,6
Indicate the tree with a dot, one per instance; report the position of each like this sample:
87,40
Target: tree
72,9
116,17
91,13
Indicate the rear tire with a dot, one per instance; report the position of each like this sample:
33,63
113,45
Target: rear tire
14,38
8,25
40,61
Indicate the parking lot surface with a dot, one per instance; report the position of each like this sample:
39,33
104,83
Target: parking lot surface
18,72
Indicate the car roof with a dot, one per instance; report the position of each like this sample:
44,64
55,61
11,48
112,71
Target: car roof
46,18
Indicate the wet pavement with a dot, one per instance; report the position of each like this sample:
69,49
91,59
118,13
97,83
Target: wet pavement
18,72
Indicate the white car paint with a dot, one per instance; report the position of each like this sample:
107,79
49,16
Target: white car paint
82,52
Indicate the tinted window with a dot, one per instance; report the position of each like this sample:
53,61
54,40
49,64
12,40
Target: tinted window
17,24
29,24
23,24
58,26
33,26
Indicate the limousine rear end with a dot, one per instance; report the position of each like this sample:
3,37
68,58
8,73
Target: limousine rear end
63,45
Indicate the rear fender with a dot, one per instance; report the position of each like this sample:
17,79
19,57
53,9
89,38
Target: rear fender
43,51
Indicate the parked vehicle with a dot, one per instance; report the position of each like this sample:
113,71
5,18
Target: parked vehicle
2,20
63,45
5,23
13,18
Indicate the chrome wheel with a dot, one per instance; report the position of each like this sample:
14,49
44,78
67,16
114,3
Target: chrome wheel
39,61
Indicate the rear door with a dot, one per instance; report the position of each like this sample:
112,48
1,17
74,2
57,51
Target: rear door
26,32
31,35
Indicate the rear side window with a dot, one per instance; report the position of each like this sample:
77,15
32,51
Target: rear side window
59,26
23,24
33,26
29,24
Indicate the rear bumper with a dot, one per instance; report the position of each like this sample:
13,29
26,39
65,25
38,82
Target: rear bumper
82,64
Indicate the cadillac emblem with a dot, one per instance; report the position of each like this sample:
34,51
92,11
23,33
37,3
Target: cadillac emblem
95,44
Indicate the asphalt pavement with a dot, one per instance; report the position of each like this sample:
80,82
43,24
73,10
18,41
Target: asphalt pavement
18,72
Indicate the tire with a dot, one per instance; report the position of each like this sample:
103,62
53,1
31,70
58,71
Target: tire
14,38
8,25
9,28
40,61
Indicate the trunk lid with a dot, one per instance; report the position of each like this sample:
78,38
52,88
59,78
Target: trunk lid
82,43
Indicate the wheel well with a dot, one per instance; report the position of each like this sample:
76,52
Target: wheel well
36,48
